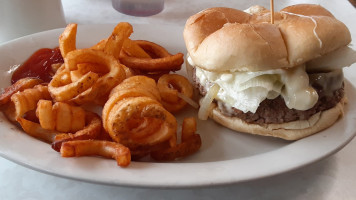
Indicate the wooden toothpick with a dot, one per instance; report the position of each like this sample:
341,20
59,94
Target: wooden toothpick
272,11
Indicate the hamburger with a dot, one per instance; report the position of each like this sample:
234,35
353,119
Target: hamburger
283,79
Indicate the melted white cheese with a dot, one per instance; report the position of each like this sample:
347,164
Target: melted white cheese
246,90
297,93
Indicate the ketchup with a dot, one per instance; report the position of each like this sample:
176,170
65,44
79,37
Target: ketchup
38,65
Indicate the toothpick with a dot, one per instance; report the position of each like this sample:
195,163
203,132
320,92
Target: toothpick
272,11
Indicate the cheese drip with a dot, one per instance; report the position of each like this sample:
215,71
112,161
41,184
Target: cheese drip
297,93
246,90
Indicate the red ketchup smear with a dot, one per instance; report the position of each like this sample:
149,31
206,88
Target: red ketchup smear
39,65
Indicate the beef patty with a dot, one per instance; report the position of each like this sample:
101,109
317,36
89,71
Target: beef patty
275,111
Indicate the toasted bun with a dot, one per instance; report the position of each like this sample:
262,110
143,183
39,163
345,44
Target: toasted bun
226,39
288,131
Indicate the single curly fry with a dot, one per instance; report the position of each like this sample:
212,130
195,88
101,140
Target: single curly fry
19,86
122,127
171,63
161,59
134,117
171,88
114,44
27,100
134,86
106,149
61,116
67,40
45,115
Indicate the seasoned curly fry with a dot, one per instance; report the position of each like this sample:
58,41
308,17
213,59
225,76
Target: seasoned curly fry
60,117
101,71
45,115
133,116
161,60
90,86
172,63
151,48
132,48
19,86
97,148
115,42
132,87
190,144
84,68
181,150
62,91
170,86
127,113
67,40
27,100
92,130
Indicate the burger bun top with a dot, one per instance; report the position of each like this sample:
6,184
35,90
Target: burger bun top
226,39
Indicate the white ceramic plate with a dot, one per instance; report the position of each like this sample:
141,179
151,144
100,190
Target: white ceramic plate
225,156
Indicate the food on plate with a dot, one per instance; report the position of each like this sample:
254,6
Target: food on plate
35,130
42,64
90,85
26,100
32,108
59,109
60,116
82,86
63,89
91,130
161,60
115,42
132,48
189,128
140,57
97,148
283,80
134,116
18,86
190,143
67,40
175,91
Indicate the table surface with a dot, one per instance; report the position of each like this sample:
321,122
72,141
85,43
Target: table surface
331,178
